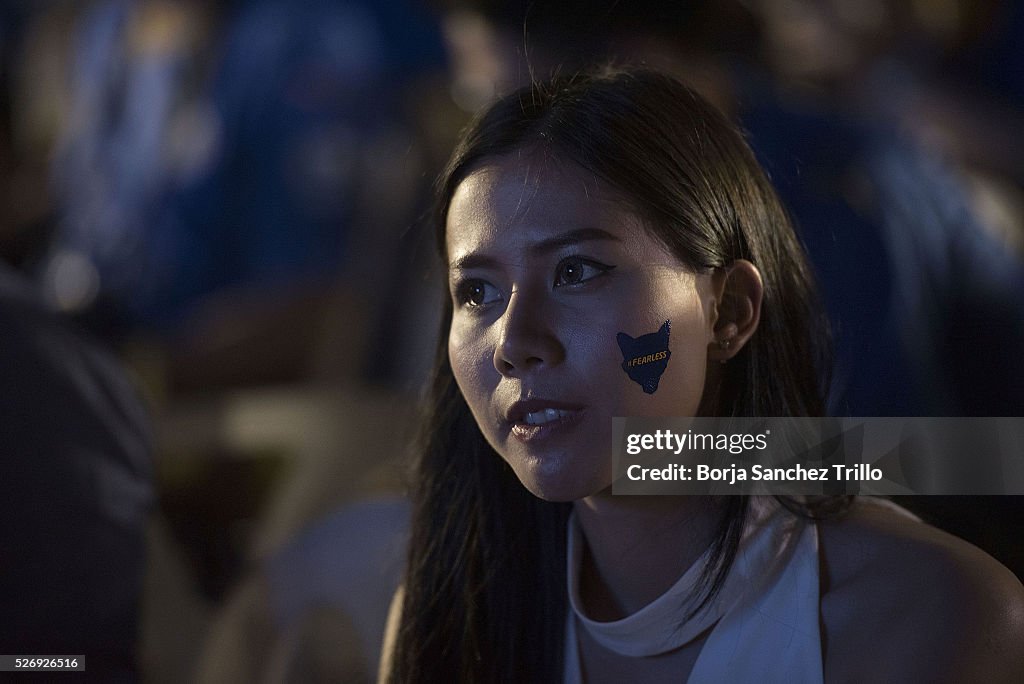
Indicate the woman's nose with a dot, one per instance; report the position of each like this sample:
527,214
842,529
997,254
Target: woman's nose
529,338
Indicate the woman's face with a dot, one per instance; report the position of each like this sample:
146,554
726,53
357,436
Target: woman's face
555,286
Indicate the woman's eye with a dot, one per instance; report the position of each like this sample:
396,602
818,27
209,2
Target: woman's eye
476,292
577,270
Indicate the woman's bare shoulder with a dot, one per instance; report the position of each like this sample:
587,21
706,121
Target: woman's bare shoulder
905,601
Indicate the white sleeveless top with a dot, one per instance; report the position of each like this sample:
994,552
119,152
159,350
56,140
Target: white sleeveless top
765,619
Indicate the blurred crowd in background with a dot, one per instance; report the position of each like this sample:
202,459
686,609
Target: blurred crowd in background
232,199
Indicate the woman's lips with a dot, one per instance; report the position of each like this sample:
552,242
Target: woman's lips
537,419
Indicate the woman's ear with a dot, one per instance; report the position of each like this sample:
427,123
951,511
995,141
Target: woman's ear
738,290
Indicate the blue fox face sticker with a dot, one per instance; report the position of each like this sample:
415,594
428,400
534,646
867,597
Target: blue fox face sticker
646,357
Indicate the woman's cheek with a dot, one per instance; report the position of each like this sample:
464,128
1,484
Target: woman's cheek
472,363
683,383
458,359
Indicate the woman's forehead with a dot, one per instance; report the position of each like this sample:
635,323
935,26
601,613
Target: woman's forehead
513,201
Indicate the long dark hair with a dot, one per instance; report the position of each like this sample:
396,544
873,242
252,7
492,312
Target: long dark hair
485,589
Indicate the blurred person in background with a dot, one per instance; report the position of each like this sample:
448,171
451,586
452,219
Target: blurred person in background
76,481
76,488
216,172
231,184
286,262
829,106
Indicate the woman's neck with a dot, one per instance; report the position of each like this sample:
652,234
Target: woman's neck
638,546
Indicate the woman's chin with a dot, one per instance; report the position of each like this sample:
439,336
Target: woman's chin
563,487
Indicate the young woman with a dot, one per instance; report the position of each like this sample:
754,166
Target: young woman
576,212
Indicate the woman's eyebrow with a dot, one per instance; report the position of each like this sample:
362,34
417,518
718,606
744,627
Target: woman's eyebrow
473,260
478,260
573,237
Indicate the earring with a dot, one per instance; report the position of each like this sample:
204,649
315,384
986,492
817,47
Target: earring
724,344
